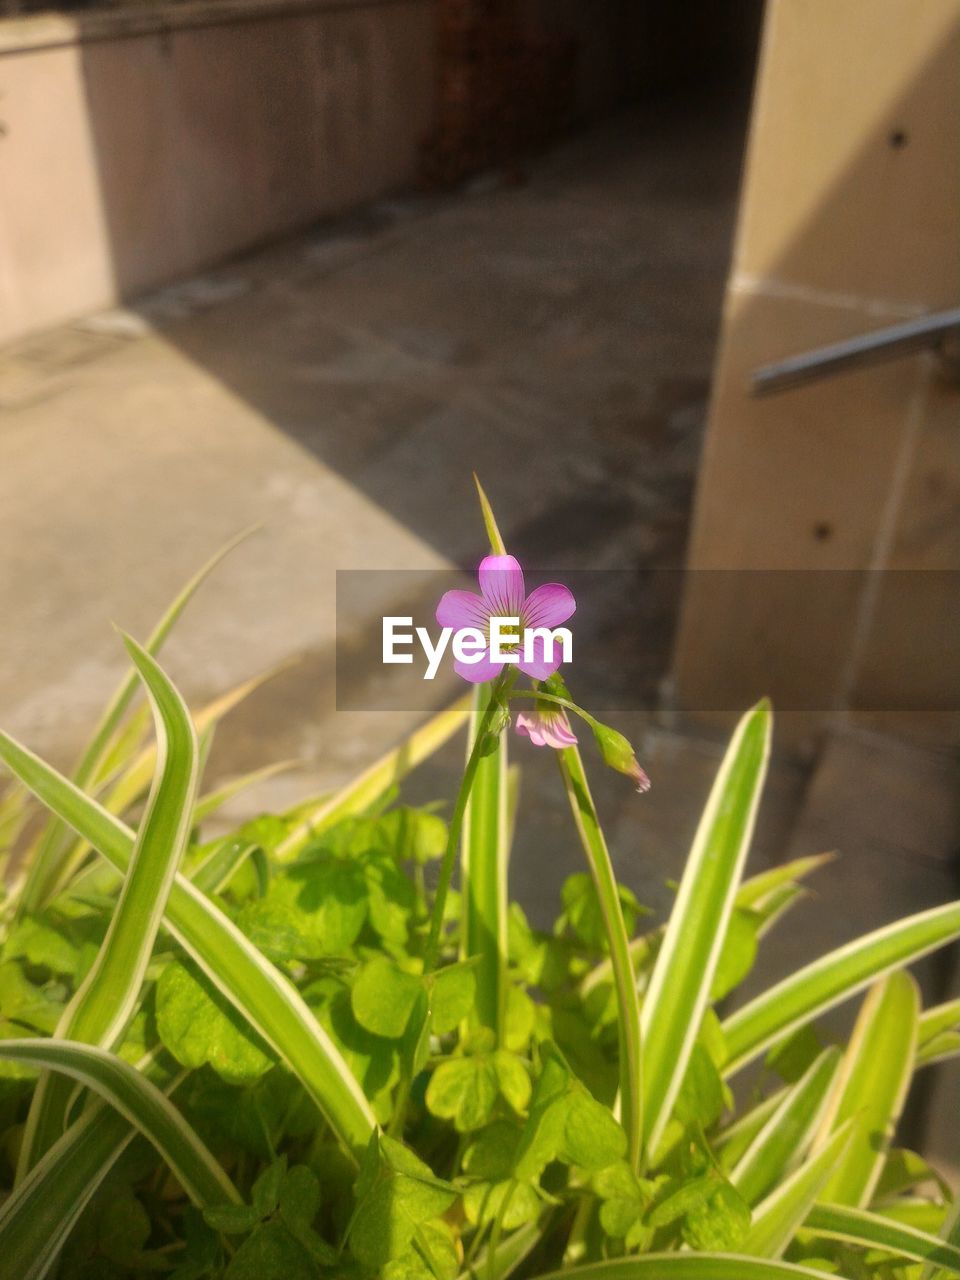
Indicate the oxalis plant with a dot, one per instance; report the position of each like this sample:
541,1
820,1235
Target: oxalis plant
281,1054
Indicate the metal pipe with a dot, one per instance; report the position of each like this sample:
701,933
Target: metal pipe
925,333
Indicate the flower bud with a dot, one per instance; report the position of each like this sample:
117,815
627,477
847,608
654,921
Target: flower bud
618,754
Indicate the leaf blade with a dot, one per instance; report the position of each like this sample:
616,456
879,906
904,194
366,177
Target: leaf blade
483,874
680,985
832,979
872,1087
250,982
874,1231
105,1001
140,1102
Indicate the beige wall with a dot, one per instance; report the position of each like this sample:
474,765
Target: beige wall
140,146
848,223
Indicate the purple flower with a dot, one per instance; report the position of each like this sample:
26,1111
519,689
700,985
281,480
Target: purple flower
503,595
547,726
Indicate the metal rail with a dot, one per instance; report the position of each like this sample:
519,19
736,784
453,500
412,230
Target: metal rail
931,332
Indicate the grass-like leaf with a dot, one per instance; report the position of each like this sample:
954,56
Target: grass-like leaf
686,1266
483,875
259,992
784,1139
768,894
140,1102
363,791
129,788
832,979
105,1001
37,1217
680,985
210,802
44,869
776,1220
872,1087
628,1005
874,1231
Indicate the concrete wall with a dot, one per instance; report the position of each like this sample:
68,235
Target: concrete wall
848,223
142,145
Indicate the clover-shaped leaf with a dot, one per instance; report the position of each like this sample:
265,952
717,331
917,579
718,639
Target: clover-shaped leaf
395,1193
383,997
198,1026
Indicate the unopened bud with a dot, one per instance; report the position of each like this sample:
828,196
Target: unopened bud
619,754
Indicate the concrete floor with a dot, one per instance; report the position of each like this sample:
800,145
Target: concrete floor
556,335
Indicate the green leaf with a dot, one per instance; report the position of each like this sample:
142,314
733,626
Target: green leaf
105,1001
198,1026
758,888
265,1192
37,1217
465,1091
686,1266
777,1219
872,1087
483,874
873,1231
21,1001
494,536
42,946
138,1101
359,795
834,978
583,913
299,1203
52,848
257,990
686,964
232,1219
384,996
566,1123
594,846
785,1138
720,1220
738,954
452,991
271,1251
212,801
395,1192
412,835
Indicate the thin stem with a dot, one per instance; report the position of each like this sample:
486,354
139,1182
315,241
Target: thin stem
456,824
608,895
536,696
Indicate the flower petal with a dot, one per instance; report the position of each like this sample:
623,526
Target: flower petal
558,733
529,727
541,666
545,729
460,609
478,672
548,606
501,585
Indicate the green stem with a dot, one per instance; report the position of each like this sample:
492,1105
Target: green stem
536,696
601,869
456,824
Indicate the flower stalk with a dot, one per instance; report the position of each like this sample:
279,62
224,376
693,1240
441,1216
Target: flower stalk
498,696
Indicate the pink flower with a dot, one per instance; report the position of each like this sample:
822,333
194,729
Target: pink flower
503,595
547,727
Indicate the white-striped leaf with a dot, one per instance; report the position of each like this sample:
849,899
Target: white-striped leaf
140,1102
832,979
259,992
683,974
105,1001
